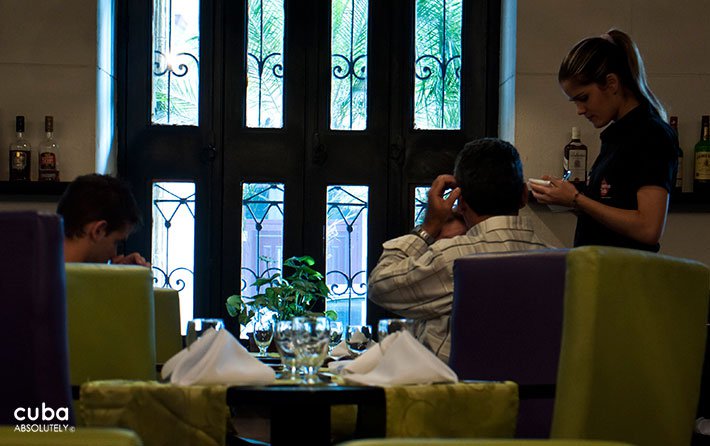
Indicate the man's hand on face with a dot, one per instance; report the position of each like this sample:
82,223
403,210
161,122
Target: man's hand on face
440,209
453,227
130,259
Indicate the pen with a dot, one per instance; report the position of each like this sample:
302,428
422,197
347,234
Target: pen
566,176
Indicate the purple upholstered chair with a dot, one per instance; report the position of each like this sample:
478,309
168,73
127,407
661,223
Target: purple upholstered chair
506,324
33,306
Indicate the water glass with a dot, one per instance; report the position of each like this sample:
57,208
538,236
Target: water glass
388,326
358,338
263,333
284,339
312,335
336,335
197,327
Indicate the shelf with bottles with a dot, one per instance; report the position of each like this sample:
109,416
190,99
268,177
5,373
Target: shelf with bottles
689,202
32,188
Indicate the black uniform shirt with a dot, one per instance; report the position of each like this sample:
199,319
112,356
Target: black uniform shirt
638,150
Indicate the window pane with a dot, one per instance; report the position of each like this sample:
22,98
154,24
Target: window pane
421,202
173,237
346,252
176,62
348,45
262,233
437,65
265,42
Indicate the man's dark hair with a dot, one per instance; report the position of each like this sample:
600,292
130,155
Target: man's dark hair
490,175
97,197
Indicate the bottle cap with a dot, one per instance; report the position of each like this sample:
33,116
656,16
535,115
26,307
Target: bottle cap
575,132
48,124
20,124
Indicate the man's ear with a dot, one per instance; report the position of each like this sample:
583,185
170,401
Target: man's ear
524,197
96,230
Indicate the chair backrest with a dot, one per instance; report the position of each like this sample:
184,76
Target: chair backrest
632,346
111,322
168,337
32,295
506,324
475,442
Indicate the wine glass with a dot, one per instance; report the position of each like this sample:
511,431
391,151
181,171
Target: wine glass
388,326
312,335
263,333
357,338
284,339
336,335
197,327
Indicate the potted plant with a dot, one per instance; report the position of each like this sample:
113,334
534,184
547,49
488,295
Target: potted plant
288,295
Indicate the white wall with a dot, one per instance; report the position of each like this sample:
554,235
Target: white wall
675,42
48,66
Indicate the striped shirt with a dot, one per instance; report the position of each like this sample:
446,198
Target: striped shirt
417,281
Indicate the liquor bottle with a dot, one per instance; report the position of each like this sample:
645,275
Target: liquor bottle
575,160
48,148
702,159
679,174
20,153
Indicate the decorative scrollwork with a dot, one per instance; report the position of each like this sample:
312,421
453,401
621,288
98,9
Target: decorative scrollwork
163,65
176,283
348,68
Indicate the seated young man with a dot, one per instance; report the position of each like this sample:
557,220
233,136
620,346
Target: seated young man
414,276
99,213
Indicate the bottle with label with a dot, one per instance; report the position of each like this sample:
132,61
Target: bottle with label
702,159
20,153
575,160
679,173
48,148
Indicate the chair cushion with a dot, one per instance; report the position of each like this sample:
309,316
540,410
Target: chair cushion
506,324
632,346
111,322
32,294
168,338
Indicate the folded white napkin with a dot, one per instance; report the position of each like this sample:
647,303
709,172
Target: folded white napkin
216,357
340,350
398,360
338,366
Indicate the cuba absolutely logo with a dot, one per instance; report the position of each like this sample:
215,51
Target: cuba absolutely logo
42,419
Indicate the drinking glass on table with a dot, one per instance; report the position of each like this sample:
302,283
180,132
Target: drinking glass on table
197,327
312,335
263,334
357,338
388,326
336,335
284,339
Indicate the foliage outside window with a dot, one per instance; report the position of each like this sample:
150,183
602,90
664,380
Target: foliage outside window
176,62
437,65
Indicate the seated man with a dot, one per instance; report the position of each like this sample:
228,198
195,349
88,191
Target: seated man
414,276
99,212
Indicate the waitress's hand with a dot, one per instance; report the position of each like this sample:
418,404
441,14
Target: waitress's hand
559,192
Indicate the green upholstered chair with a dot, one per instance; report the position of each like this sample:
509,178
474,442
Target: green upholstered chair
168,339
80,437
632,347
110,313
476,442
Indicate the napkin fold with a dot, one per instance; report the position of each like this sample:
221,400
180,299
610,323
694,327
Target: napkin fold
398,360
216,357
340,350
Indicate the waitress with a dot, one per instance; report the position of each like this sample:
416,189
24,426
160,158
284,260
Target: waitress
626,201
